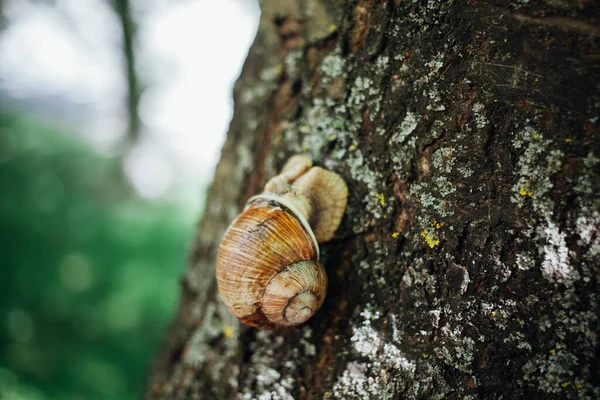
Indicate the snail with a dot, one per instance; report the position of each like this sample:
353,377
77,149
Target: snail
268,270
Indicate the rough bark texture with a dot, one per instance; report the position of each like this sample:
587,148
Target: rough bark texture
467,264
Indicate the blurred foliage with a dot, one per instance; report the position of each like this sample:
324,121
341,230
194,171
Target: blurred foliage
89,271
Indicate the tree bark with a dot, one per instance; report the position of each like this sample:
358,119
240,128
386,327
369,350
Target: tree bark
467,263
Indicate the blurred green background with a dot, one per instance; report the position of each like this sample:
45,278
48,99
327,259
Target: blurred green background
89,269
112,115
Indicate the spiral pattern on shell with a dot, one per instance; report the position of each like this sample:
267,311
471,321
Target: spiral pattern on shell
268,271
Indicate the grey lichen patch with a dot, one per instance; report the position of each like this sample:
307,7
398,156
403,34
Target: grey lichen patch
266,378
386,371
320,128
535,168
587,224
536,165
480,119
434,94
360,171
434,196
519,339
429,85
564,366
265,85
360,90
525,261
217,323
465,171
556,266
432,69
554,372
291,62
308,348
215,318
334,125
499,312
406,128
443,159
431,384
364,92
418,275
587,220
456,349
354,384
381,63
333,65
375,265
321,124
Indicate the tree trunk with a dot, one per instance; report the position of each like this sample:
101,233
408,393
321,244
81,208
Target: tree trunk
467,263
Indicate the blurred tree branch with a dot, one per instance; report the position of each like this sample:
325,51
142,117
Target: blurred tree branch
123,9
2,19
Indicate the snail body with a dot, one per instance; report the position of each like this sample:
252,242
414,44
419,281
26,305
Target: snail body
268,269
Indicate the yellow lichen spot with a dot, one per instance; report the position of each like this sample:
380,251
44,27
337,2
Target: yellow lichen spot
395,234
525,192
565,384
332,28
380,198
450,118
536,80
536,135
425,355
553,351
429,240
352,147
505,40
568,140
228,331
437,225
495,100
579,386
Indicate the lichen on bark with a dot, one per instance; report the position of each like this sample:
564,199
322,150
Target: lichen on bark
468,260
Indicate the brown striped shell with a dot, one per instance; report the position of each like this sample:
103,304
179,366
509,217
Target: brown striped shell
268,271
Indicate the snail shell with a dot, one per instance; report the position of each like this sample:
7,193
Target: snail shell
268,270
